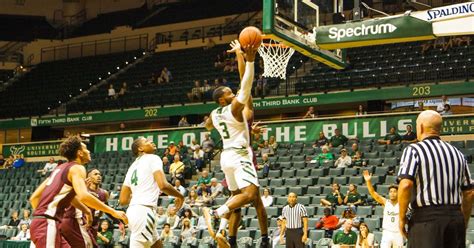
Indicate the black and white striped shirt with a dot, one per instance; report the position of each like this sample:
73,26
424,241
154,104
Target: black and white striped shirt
439,172
294,216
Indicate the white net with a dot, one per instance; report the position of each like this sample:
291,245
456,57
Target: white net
275,58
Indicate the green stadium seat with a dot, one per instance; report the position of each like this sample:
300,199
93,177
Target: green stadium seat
378,210
381,170
340,180
458,144
379,148
335,172
319,172
313,190
364,211
280,191
394,147
291,182
387,154
274,174
288,173
375,161
286,165
371,155
372,223
350,171
296,190
284,159
299,165
298,158
324,180
302,173
357,180
276,182
390,179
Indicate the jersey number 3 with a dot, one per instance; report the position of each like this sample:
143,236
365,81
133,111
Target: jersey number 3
225,130
134,179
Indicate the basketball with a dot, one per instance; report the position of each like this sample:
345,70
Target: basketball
250,36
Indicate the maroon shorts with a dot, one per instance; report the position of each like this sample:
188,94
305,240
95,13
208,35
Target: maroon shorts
45,233
76,234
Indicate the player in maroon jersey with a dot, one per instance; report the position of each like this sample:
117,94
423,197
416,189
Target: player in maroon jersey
64,187
72,226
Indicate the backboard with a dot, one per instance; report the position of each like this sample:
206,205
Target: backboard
292,22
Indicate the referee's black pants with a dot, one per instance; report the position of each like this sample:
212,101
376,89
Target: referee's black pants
437,227
293,238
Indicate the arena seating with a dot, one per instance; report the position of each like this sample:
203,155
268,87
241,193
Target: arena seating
394,64
5,75
51,82
310,181
182,65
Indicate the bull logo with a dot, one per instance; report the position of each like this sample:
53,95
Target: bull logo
17,150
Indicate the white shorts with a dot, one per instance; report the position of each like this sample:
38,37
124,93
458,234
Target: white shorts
143,225
237,165
391,239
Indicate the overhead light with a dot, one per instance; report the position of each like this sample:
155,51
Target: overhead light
59,102
70,95
126,62
144,53
49,108
90,83
135,57
108,72
118,68
100,78
80,89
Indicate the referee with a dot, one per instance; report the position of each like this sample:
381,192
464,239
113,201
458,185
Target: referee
295,226
439,177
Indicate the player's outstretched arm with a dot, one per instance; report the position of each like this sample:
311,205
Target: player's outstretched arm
84,209
242,98
168,189
235,48
209,125
77,176
36,196
381,200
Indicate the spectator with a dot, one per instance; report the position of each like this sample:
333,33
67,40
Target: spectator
334,198
219,61
203,188
161,216
345,236
166,234
261,86
122,127
9,162
354,149
194,144
168,155
207,146
205,198
48,167
104,236
447,110
324,157
114,194
165,76
166,164
183,149
203,123
391,138
441,105
349,214
123,90
257,141
192,199
204,179
410,136
111,92
187,230
177,170
198,156
360,111
321,141
357,159
206,89
183,122
338,139
178,187
272,142
421,106
265,165
310,113
344,160
172,218
196,92
172,148
26,219
365,239
328,222
19,161
267,199
353,198
276,233
23,234
216,189
266,149
188,214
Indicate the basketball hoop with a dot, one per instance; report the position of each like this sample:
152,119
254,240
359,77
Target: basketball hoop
275,57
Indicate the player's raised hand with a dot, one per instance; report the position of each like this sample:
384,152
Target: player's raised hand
120,215
249,52
256,128
367,175
234,47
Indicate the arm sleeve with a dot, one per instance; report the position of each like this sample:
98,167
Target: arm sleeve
408,164
246,84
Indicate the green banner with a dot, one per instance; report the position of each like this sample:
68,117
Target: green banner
373,32
32,149
414,92
301,131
